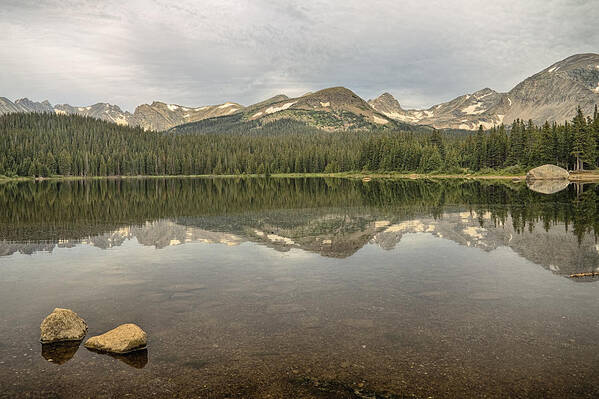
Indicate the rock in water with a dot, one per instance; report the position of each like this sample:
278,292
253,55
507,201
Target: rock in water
62,325
123,339
548,172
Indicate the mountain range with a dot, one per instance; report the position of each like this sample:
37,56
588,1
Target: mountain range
552,94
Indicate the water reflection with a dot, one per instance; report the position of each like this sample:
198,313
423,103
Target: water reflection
137,359
303,288
334,218
60,352
548,186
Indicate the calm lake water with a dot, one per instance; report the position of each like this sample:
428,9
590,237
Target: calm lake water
302,288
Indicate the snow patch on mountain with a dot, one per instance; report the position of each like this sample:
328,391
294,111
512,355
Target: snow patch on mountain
381,121
272,110
473,109
484,95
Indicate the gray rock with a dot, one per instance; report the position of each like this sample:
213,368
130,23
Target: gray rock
123,339
547,172
62,325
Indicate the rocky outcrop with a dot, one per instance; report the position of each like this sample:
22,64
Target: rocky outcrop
24,105
123,339
62,325
547,172
31,106
7,106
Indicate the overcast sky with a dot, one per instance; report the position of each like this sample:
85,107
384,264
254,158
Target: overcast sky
129,52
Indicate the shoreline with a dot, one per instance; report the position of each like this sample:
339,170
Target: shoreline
575,177
341,175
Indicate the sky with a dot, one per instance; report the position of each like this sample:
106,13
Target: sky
195,53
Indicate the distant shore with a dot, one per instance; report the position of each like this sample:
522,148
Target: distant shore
342,175
575,176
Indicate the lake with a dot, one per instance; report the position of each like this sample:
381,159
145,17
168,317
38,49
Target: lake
302,288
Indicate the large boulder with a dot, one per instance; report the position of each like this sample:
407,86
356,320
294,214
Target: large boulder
123,339
548,172
62,325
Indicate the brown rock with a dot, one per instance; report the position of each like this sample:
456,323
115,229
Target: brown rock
123,339
62,325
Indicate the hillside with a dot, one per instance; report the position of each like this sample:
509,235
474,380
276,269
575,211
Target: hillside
333,110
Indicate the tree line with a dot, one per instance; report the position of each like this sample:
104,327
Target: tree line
44,145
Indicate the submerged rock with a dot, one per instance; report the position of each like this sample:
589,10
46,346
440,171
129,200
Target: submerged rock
62,325
123,339
548,172
60,352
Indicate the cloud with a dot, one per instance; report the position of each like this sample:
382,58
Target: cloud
189,53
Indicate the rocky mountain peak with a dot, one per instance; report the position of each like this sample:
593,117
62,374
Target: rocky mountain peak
334,98
334,108
576,61
386,102
552,94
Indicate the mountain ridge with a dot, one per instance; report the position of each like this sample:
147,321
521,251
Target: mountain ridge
552,94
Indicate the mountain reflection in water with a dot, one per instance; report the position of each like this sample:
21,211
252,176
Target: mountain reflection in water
305,288
334,218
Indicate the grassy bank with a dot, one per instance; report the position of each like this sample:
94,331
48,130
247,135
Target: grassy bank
342,175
